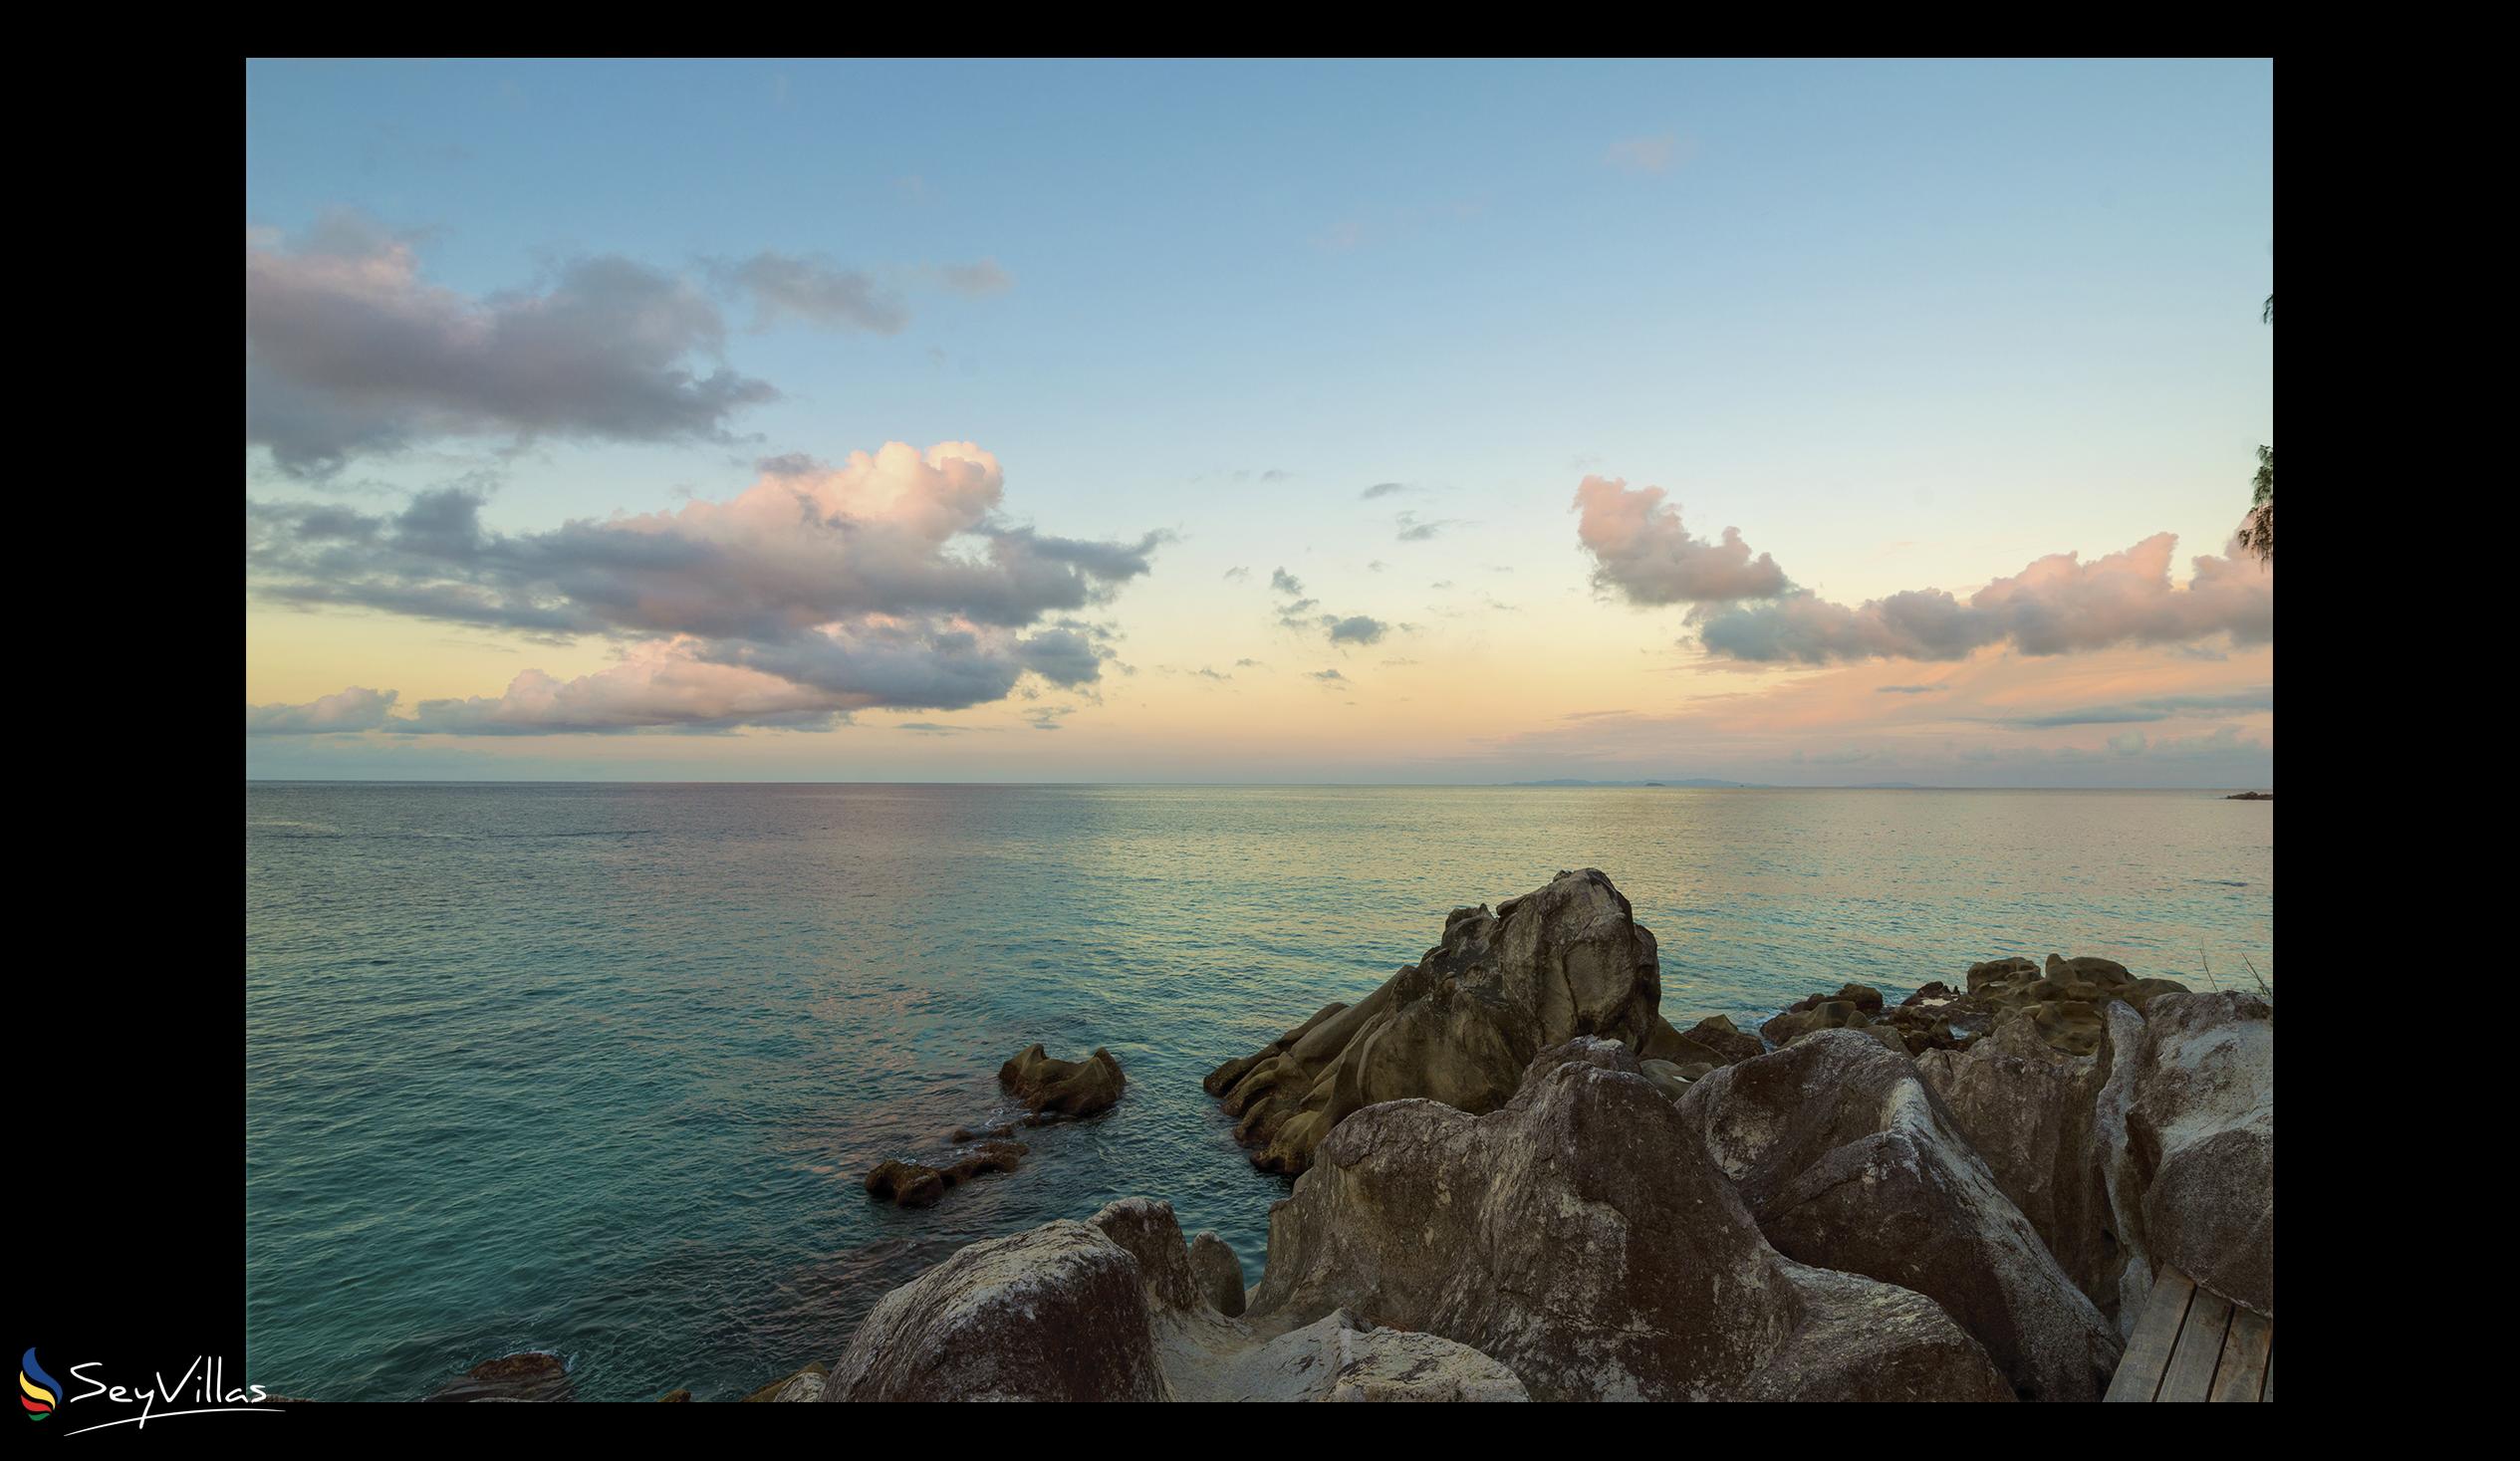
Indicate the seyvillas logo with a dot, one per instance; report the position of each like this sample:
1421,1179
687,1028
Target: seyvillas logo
201,1390
38,1392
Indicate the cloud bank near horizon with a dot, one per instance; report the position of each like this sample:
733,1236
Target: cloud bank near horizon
1746,609
891,580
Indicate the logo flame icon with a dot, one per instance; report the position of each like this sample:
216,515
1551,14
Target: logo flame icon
41,1391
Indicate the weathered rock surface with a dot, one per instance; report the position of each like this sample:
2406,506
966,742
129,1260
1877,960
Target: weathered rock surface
1711,1041
1110,1309
1459,1025
1847,1161
1049,1086
1058,1313
1580,1235
532,1376
1217,1273
2027,1108
913,1184
1339,1357
2185,1120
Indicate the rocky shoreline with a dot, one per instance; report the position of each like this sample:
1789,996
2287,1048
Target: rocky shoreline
1516,1179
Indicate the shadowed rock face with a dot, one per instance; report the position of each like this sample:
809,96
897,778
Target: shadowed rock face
1218,1273
1459,1025
1580,1236
1048,1087
2027,1108
2185,1121
1848,1161
1054,1314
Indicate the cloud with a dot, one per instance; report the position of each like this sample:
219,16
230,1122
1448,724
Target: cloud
348,350
1327,676
1382,489
2058,604
814,290
1357,628
975,279
1651,155
1641,550
2155,708
892,579
1414,529
1910,689
354,710
657,687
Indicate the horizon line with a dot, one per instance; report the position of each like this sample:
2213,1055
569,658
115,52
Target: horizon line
1558,785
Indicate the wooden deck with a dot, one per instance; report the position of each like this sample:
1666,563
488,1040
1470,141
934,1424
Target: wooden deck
2192,1344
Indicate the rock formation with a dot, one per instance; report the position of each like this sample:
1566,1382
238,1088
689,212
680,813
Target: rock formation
913,1184
1641,1212
2027,1108
1054,1314
2185,1123
1847,1161
1110,1309
2064,999
1064,1088
1459,1025
1580,1236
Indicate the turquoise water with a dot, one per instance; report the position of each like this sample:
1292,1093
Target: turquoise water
597,1068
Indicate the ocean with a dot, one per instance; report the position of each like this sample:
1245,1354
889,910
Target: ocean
598,1069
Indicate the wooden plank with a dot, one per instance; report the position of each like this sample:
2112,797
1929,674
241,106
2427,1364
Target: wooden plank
2247,1351
2198,1349
2148,1355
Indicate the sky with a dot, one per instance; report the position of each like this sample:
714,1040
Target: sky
1809,424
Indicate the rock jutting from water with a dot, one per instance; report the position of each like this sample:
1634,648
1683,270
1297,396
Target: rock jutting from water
1049,1088
1461,1025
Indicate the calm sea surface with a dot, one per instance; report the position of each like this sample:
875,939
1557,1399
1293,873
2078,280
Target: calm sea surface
597,1068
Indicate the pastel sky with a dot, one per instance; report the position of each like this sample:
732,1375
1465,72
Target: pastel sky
1795,424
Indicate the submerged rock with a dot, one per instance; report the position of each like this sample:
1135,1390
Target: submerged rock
913,1184
1049,1086
533,1374
804,1384
1847,1161
1580,1235
1459,1025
